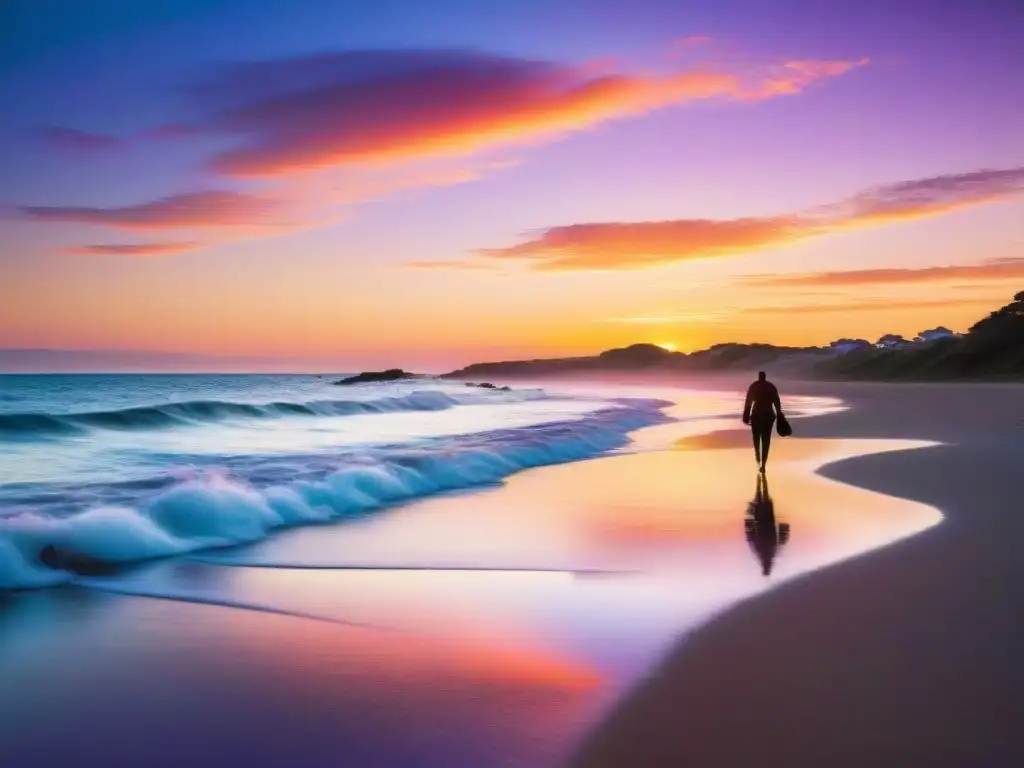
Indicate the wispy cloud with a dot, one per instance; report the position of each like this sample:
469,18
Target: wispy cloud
631,245
853,307
359,107
842,307
710,316
459,264
131,249
926,197
992,269
187,210
327,132
311,201
792,77
619,245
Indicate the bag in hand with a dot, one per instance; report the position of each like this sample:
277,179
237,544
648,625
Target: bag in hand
782,426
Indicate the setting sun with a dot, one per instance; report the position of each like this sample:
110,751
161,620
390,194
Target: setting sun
668,347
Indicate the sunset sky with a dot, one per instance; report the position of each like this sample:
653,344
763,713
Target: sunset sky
342,185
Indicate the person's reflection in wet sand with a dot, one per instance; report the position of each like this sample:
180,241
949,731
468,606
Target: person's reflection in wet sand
765,536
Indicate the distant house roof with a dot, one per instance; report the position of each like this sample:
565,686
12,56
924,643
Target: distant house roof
935,333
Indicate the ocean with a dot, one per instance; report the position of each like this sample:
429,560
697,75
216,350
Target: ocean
126,468
416,573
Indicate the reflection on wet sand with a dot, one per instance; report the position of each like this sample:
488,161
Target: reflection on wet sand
523,615
765,535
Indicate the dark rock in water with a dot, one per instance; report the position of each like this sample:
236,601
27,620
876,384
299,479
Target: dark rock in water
488,385
66,560
392,374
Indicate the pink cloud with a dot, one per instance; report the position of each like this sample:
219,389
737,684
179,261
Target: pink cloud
352,108
992,269
339,129
792,77
926,197
189,209
629,245
132,249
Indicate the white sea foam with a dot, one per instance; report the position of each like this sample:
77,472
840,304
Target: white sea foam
216,510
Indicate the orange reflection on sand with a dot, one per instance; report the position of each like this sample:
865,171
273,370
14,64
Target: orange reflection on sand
418,660
699,494
517,665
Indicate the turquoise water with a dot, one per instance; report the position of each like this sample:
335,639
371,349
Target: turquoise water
122,468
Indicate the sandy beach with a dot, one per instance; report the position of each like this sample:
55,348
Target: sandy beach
906,656
506,627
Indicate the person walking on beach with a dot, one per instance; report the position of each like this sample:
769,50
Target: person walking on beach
759,411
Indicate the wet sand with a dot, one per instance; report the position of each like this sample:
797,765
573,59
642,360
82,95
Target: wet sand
906,656
491,628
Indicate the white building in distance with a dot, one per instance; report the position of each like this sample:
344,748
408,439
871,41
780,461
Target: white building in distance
935,334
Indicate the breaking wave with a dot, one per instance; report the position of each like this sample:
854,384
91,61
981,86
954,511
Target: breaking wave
218,510
28,426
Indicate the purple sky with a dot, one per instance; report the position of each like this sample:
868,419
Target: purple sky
427,184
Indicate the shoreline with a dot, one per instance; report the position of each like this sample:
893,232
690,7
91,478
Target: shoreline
531,659
904,655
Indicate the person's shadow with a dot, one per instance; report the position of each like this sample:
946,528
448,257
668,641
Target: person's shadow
765,536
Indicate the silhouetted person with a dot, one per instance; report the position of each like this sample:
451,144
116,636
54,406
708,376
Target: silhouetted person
759,411
765,537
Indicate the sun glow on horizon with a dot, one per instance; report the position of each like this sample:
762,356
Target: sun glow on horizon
668,347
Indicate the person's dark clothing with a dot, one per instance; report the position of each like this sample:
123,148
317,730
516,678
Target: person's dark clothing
759,411
762,397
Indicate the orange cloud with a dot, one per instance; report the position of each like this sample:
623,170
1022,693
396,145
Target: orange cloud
341,129
132,249
992,269
886,305
305,202
613,245
190,209
373,107
631,245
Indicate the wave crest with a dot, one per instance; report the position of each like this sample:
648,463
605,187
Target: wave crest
28,426
213,510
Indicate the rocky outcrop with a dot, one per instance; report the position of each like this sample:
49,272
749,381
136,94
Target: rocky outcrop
366,377
651,358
